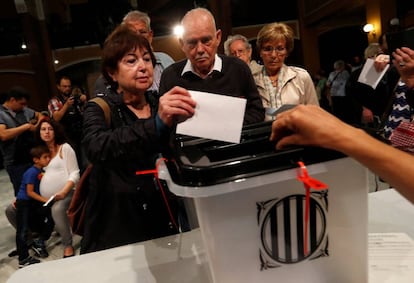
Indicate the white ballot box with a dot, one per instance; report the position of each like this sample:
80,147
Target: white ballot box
256,222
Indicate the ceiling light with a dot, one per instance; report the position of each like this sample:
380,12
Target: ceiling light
368,28
178,30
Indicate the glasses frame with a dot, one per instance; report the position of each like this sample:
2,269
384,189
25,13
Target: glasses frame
239,52
268,50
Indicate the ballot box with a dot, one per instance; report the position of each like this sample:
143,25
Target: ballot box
257,223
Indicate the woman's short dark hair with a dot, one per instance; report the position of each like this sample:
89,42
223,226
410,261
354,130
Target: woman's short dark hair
121,41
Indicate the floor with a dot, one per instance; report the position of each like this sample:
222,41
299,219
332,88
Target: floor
9,265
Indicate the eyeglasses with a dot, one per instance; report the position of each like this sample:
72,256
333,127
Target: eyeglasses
192,43
269,50
240,52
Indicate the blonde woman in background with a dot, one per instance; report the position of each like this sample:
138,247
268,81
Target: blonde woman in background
279,84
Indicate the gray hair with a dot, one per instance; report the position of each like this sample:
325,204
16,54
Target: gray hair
339,64
372,50
233,38
135,16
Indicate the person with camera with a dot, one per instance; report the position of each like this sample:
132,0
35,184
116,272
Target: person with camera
67,109
17,125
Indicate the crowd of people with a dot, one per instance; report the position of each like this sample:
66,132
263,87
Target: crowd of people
148,94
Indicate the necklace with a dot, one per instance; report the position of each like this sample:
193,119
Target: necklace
274,88
274,79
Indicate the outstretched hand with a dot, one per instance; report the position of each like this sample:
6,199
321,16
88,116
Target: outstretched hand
307,125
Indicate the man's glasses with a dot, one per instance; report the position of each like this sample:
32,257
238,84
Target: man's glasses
192,43
269,50
240,52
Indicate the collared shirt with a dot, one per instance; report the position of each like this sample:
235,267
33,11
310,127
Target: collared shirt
230,76
218,64
163,60
55,104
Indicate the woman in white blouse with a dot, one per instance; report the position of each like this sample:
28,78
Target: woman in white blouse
279,84
60,178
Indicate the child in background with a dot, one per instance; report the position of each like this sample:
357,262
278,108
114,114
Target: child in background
30,210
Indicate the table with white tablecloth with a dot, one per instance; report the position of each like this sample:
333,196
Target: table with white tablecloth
182,258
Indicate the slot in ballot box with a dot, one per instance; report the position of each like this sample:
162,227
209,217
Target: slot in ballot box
251,209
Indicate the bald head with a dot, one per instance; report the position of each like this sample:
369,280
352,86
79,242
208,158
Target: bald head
197,17
200,40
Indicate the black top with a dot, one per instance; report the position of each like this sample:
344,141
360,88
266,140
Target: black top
378,99
235,79
122,207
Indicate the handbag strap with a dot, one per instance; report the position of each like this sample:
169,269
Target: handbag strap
105,107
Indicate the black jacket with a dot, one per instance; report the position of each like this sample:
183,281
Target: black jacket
122,207
378,99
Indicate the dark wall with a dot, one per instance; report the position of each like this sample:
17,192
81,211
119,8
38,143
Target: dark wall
343,43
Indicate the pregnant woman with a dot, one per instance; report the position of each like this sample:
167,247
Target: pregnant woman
60,178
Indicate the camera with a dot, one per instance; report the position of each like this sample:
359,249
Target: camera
76,94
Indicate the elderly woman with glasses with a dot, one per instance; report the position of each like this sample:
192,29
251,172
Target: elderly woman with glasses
279,84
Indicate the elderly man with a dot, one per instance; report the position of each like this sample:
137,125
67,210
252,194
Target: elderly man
204,70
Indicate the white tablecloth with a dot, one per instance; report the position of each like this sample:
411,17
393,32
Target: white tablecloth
182,258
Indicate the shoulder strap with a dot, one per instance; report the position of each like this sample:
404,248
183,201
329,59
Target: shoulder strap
105,107
336,76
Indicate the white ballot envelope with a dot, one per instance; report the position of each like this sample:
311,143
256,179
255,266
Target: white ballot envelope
217,117
369,74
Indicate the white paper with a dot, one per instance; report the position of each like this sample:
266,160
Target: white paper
390,258
217,117
49,200
369,74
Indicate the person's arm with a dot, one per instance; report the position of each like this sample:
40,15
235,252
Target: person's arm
118,143
11,133
72,168
32,194
65,190
311,125
367,115
56,112
310,91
